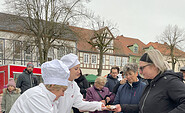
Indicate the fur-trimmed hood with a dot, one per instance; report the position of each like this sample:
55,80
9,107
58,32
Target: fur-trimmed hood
17,90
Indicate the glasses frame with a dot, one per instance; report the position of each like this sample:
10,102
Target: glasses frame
141,68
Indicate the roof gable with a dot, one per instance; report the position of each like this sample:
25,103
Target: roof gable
85,35
165,50
122,45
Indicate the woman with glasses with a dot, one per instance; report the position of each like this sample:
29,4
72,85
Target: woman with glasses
99,93
131,91
165,92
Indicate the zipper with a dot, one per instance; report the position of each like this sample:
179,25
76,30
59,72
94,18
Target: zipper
30,81
145,99
131,94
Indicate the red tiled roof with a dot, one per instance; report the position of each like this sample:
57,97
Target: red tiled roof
84,36
122,44
164,49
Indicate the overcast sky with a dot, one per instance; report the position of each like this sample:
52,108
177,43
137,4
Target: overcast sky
142,19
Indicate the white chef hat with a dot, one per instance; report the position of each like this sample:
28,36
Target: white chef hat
70,60
55,72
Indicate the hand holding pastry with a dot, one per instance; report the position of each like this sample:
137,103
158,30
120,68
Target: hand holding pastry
117,108
103,107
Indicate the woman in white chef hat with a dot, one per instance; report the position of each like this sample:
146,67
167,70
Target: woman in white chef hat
73,97
43,98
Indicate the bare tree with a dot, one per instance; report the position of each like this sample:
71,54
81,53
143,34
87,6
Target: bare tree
102,40
46,20
173,36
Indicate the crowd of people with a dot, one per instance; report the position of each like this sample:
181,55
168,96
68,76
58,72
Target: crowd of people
65,88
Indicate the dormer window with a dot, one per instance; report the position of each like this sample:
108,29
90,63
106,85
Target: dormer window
135,49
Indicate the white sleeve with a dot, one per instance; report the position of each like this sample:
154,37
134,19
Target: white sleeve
85,105
37,104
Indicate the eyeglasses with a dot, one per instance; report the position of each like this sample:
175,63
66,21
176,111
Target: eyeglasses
142,67
114,72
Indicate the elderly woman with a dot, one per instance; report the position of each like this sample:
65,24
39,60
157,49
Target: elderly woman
99,93
165,92
131,91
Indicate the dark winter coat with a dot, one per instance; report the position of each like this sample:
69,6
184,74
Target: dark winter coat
111,82
26,80
8,99
128,94
83,84
115,89
164,94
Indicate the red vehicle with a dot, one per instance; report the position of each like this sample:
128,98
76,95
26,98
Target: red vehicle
13,71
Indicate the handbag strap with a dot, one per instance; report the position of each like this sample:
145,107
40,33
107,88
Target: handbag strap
99,94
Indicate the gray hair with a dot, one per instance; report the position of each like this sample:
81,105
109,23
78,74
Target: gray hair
101,79
157,59
130,67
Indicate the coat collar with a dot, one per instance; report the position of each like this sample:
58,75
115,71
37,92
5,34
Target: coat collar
51,96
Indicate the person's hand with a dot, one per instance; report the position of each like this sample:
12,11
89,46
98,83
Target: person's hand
123,81
108,99
117,109
103,101
103,107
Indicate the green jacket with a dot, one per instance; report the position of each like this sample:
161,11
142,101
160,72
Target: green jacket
9,99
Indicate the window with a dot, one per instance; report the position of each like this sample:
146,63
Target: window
135,49
118,61
94,59
17,49
1,45
50,54
124,61
86,58
110,43
1,49
28,49
16,75
111,60
28,52
69,50
103,59
60,52
133,60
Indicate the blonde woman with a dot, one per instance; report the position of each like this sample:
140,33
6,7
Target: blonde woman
73,97
99,93
165,92
42,98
